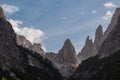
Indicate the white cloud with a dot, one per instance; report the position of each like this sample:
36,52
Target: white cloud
108,15
33,35
110,5
9,9
94,11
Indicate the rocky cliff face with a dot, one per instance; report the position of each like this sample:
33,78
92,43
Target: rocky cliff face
66,59
104,44
22,41
37,48
67,54
111,43
98,39
8,46
91,48
86,50
51,56
18,63
112,24
1,13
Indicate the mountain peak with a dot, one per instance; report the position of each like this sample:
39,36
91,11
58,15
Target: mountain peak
117,10
88,40
111,42
98,34
67,53
68,43
1,13
67,40
99,27
112,24
67,58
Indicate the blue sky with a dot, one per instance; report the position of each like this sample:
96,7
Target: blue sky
58,20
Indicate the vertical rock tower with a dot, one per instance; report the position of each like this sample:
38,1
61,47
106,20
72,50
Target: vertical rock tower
1,13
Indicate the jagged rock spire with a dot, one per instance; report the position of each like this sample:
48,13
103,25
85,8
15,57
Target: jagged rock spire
111,42
67,53
98,34
86,50
66,59
112,24
90,48
1,13
88,40
98,39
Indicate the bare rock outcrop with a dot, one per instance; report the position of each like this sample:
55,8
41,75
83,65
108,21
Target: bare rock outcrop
51,56
86,50
37,47
66,59
21,40
111,44
91,48
1,13
98,36
67,53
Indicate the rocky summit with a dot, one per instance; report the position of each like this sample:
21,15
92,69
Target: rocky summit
86,50
22,41
111,43
98,39
1,13
67,54
66,59
91,48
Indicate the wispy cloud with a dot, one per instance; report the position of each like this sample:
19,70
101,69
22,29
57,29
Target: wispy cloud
33,35
9,9
108,15
110,5
94,11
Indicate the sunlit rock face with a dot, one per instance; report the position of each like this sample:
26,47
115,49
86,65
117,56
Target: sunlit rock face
36,47
98,39
21,40
86,50
66,59
67,53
